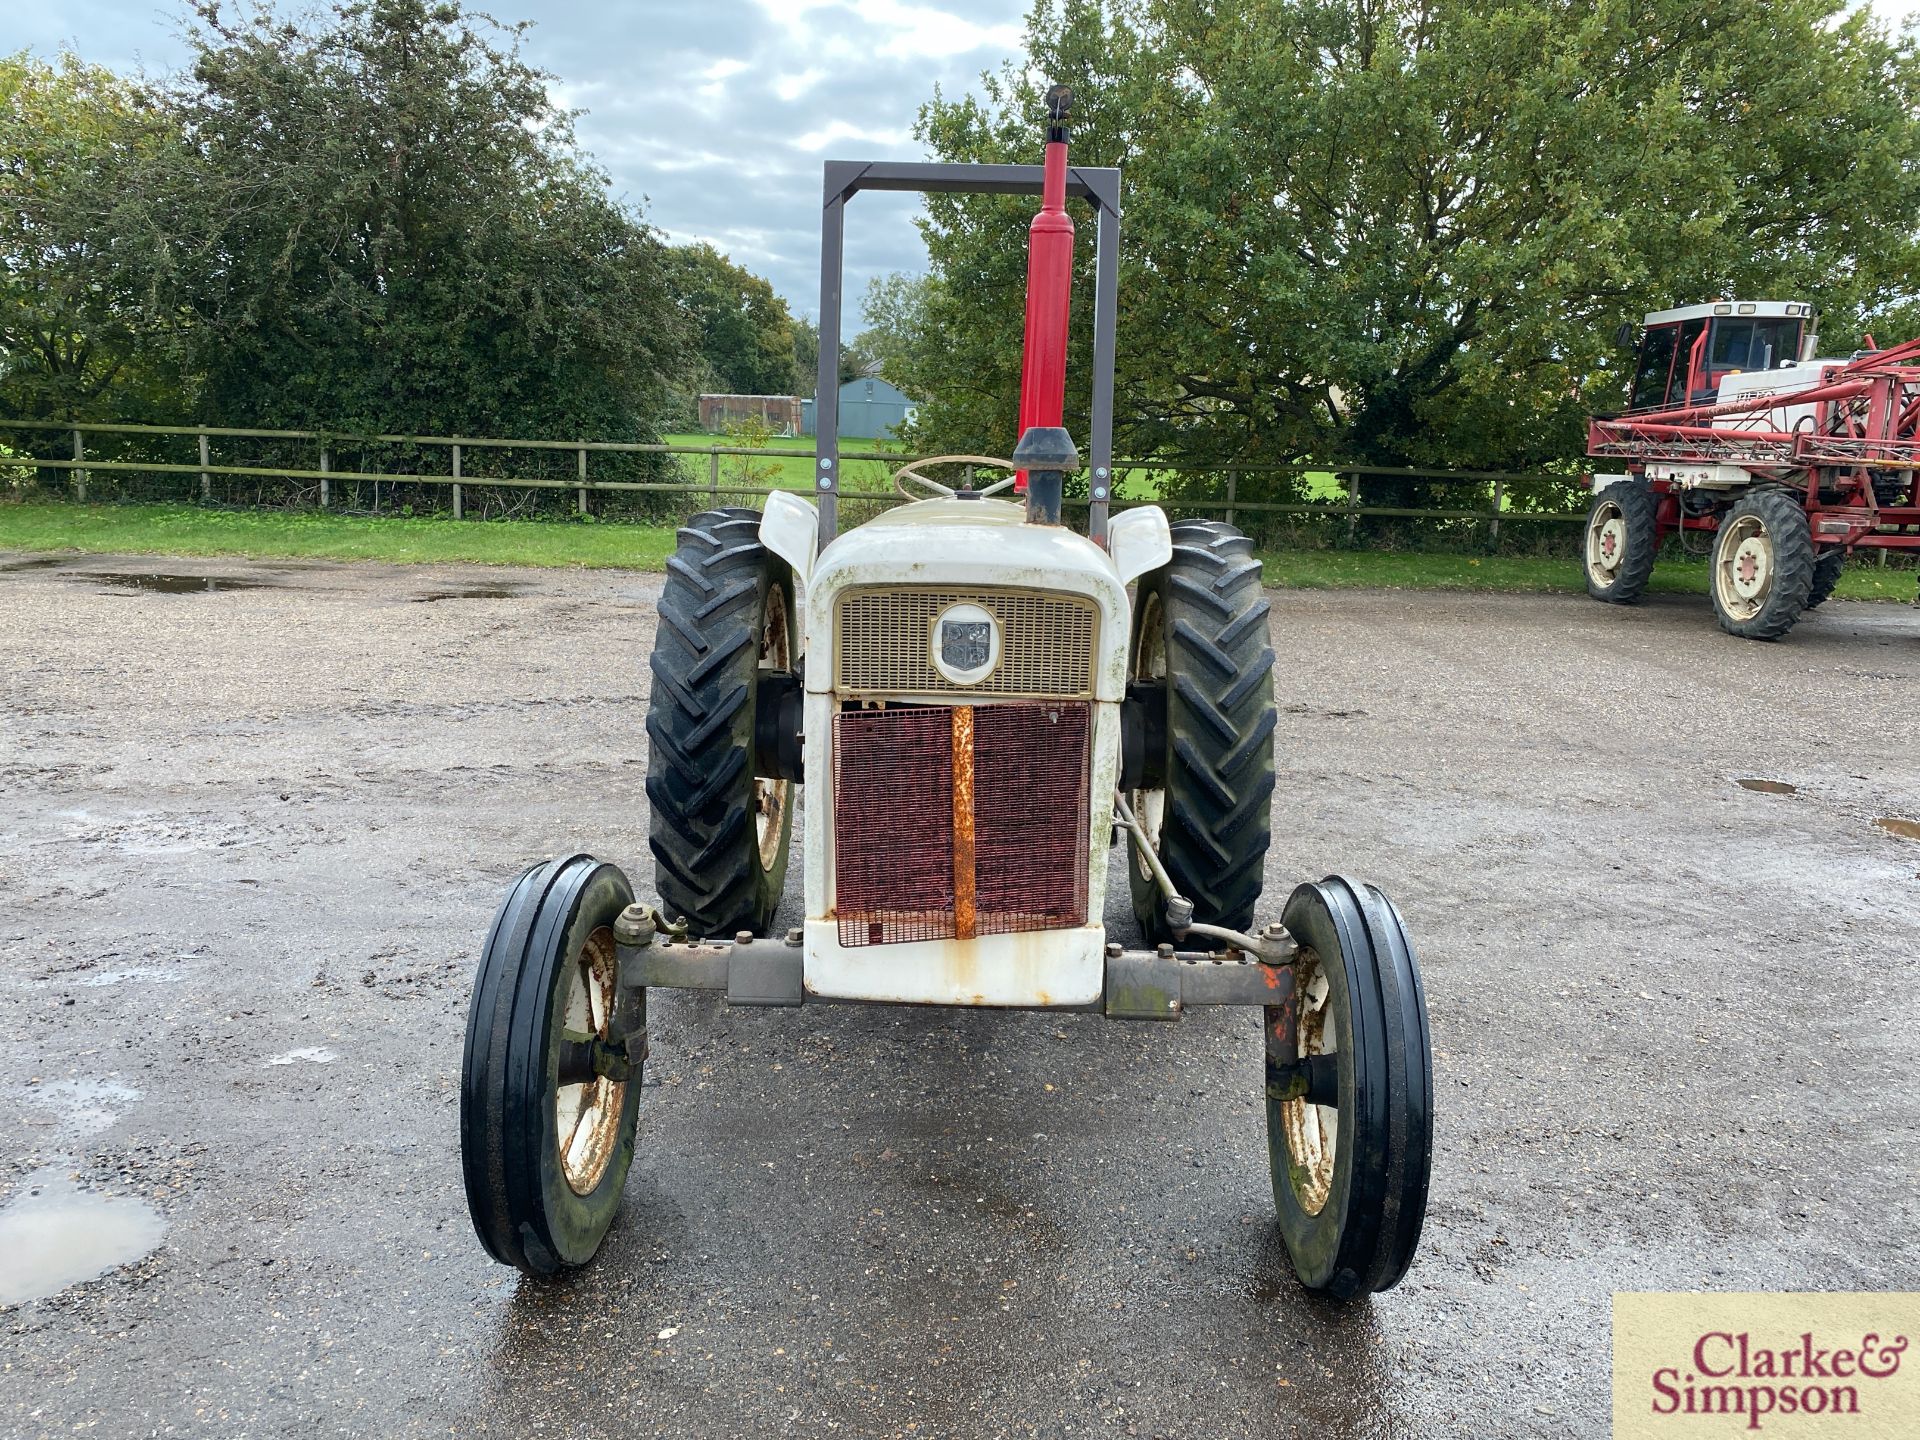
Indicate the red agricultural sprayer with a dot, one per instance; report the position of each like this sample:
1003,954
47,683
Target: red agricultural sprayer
979,703
1789,461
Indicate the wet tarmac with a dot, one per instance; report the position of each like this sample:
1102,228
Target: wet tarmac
250,838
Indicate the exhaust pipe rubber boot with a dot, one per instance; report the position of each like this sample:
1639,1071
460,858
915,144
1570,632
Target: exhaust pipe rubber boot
1047,455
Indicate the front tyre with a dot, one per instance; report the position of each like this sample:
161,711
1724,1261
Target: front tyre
728,627
1763,565
1623,533
1200,641
550,1079
1350,1104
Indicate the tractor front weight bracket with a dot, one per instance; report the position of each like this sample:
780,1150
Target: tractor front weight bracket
1139,984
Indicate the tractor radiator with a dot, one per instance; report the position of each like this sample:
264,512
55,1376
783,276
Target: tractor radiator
952,821
881,644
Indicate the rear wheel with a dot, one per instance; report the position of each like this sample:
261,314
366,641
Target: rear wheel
728,633
1200,639
550,1080
1826,575
1623,533
1763,565
1350,1103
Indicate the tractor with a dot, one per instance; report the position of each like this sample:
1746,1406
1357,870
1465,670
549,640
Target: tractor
1736,431
977,703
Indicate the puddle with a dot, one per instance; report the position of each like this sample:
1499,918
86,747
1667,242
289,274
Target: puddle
54,1236
81,1107
1769,787
171,584
1894,825
37,562
120,977
471,592
312,1054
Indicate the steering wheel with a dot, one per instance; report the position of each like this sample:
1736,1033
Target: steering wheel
910,471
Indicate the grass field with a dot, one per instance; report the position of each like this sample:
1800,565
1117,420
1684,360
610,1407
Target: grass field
191,530
1366,569
787,464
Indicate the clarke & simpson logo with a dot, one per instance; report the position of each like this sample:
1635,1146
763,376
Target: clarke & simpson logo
1787,1365
1729,1375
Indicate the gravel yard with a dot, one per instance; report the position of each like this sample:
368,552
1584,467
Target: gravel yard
254,818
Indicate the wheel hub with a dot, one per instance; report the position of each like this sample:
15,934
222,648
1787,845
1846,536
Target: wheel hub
1312,1131
1750,567
1150,663
1606,543
587,1114
770,796
1610,544
1743,567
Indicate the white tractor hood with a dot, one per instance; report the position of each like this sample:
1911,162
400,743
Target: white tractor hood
973,544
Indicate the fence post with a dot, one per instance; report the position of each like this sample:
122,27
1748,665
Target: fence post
1499,496
583,479
1353,504
325,488
79,475
456,482
713,478
1233,491
206,480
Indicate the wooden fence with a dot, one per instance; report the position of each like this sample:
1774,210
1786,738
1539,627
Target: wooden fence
1500,489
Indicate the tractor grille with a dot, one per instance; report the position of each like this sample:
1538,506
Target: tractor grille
956,821
883,642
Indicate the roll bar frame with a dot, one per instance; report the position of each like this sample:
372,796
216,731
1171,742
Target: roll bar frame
844,179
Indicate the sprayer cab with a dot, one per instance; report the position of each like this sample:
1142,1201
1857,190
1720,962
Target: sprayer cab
982,704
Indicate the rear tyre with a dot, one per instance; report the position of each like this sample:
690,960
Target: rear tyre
545,1139
719,833
1763,565
1200,636
1826,575
1623,534
1350,1140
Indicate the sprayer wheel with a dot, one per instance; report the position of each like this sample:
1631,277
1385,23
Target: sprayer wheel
1763,565
1826,575
1623,534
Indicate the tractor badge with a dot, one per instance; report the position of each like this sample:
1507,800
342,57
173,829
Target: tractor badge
966,644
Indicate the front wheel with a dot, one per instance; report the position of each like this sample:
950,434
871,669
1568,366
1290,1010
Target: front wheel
1350,1101
1623,532
1763,565
550,1081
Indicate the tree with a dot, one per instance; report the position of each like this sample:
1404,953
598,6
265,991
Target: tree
896,323
1404,231
854,360
806,354
744,331
380,222
81,337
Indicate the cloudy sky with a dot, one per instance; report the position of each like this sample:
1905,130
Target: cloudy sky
713,114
